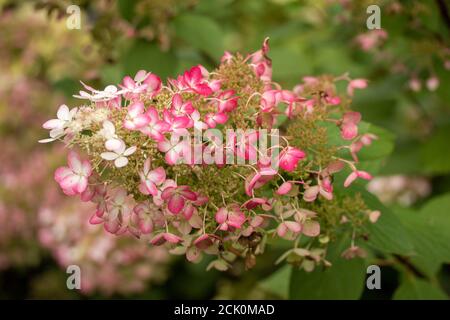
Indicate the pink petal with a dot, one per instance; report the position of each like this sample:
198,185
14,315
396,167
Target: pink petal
352,177
61,173
94,219
311,193
349,131
293,226
157,176
221,215
364,175
176,204
135,109
146,226
171,237
74,161
284,188
311,228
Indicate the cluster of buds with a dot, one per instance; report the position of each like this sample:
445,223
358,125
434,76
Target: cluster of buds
156,164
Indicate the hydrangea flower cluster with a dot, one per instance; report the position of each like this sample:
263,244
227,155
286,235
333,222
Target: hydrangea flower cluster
146,180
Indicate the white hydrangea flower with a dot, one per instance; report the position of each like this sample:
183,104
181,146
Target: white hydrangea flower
119,155
57,126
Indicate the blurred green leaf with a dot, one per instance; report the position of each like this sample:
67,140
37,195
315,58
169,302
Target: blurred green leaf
201,33
435,153
431,242
111,74
146,56
278,282
412,288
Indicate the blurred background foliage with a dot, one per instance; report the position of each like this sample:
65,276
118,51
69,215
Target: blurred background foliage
407,64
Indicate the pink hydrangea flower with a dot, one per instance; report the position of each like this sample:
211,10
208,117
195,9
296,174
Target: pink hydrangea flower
227,101
136,117
349,126
180,108
151,178
212,119
174,149
155,128
231,217
176,198
119,207
290,157
74,178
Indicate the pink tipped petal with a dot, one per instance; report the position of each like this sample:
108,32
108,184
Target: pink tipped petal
221,215
176,204
94,219
74,161
284,188
282,230
158,175
146,226
364,175
135,109
352,177
349,131
61,173
171,238
158,240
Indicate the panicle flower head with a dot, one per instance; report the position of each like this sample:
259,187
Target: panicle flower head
152,175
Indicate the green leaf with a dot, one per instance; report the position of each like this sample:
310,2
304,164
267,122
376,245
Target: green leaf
111,74
436,211
388,234
146,56
412,288
343,280
200,32
278,282
431,242
435,152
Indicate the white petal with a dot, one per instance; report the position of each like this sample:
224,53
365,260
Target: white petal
121,162
73,112
109,155
63,113
130,151
46,140
53,124
113,145
109,126
111,89
56,133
